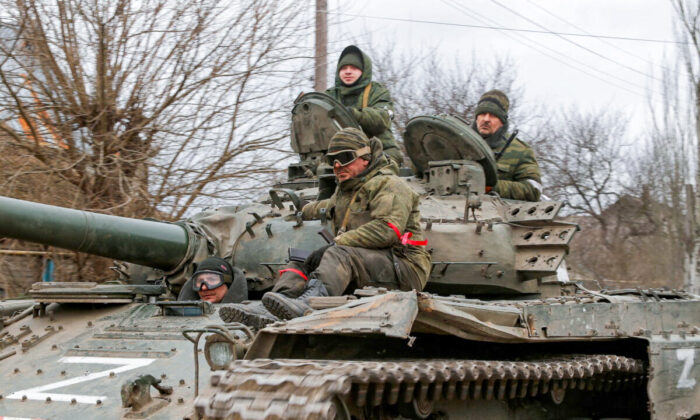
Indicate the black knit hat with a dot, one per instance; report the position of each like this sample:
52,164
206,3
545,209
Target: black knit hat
494,102
353,58
217,265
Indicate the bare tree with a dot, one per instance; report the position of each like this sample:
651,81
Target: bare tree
150,106
641,199
623,198
688,32
581,160
144,108
662,171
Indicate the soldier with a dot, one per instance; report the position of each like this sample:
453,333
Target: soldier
368,101
215,281
379,241
518,171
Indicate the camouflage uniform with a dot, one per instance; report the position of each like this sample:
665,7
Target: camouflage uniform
375,119
369,252
518,171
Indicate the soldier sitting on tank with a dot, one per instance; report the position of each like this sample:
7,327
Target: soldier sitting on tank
215,281
378,238
368,101
518,171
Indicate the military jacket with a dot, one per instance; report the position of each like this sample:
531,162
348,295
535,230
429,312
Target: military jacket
518,173
372,203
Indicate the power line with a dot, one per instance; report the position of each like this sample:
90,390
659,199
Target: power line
565,59
573,42
539,48
561,19
501,28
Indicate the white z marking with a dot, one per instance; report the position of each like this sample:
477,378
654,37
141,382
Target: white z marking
37,393
687,355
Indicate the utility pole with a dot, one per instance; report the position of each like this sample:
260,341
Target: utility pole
321,45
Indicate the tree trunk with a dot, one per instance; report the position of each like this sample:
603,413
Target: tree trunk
321,69
692,274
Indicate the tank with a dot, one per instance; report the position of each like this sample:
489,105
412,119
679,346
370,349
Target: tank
498,332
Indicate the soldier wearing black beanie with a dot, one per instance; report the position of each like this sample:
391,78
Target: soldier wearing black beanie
518,171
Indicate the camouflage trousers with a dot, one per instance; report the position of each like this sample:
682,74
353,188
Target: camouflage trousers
344,268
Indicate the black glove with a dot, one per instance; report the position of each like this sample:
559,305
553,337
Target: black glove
314,259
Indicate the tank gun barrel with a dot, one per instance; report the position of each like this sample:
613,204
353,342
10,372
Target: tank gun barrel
150,243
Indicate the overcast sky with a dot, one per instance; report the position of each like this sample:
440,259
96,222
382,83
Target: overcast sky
590,72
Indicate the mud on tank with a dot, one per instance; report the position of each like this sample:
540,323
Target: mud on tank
498,331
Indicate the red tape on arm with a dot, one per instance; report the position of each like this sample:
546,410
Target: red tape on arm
294,270
405,238
396,230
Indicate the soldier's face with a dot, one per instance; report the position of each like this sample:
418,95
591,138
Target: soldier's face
349,74
487,123
213,295
349,171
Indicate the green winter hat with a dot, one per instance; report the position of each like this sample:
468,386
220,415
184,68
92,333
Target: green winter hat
494,102
353,58
349,138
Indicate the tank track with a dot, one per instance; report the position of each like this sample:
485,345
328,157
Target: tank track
311,389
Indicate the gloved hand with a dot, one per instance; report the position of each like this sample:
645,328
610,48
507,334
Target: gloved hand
314,259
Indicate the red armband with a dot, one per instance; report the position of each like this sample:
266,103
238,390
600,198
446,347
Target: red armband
405,238
294,270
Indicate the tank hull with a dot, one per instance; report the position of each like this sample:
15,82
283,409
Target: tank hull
416,355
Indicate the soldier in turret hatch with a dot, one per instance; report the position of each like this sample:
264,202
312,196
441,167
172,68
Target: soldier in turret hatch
378,238
368,101
215,281
518,171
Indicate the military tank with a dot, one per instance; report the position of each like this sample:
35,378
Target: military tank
499,331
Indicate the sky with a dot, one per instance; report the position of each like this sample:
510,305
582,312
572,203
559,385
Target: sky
583,71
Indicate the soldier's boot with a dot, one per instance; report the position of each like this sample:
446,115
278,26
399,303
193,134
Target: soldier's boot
287,308
252,314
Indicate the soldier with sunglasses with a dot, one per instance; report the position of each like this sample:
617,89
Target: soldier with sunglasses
215,281
378,239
